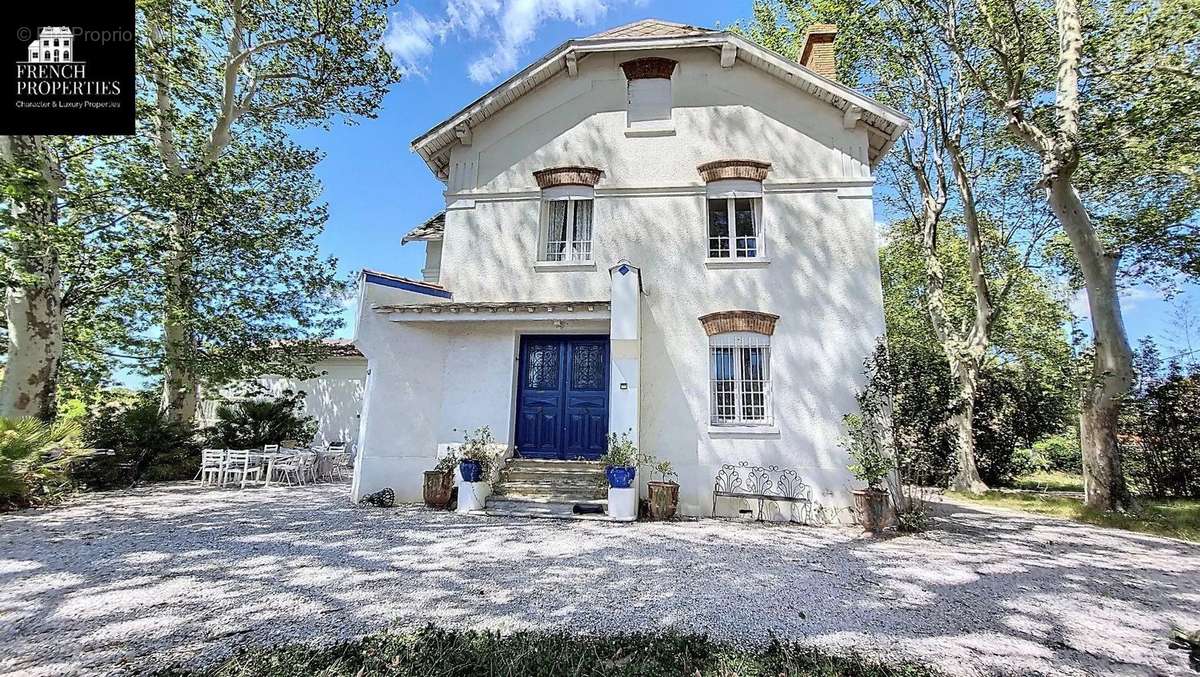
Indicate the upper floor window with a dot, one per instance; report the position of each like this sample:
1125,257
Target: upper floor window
734,219
567,205
734,192
649,92
567,215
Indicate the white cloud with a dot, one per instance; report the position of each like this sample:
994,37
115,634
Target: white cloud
507,26
409,40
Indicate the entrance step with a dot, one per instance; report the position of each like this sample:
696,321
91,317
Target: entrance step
534,487
502,507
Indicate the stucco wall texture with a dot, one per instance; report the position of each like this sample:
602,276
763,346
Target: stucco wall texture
430,381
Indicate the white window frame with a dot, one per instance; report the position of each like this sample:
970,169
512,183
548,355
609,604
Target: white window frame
731,190
572,195
742,386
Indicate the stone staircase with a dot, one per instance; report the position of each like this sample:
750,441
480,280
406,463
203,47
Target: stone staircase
531,487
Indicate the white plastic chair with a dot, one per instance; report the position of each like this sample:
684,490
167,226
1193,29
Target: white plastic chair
270,448
212,466
290,468
308,465
239,463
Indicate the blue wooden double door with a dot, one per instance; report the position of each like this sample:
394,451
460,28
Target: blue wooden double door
562,397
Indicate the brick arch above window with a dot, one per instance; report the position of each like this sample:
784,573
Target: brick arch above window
649,67
752,170
566,176
739,320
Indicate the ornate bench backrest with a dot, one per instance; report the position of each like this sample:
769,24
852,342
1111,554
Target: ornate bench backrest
768,481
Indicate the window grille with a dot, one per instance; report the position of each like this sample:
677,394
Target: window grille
568,230
740,377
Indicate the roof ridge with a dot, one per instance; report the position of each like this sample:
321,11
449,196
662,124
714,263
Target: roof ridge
648,25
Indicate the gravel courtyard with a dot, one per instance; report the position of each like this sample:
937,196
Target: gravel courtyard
124,582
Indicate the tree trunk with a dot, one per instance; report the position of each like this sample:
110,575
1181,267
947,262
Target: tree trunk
35,342
33,297
180,386
967,479
1112,366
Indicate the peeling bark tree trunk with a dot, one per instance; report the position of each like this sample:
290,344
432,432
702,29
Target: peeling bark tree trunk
180,385
967,479
1112,367
33,295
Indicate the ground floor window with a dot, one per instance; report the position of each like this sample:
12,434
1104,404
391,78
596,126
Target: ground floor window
740,377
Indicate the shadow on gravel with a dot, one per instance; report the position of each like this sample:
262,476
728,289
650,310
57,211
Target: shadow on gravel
178,573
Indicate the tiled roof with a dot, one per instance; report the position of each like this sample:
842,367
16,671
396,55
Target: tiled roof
651,28
342,348
430,230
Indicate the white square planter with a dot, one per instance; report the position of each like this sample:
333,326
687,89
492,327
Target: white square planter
473,495
622,504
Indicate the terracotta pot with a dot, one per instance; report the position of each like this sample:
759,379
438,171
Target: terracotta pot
663,499
438,486
874,509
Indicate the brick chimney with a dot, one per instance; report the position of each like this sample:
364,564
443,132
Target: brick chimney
816,51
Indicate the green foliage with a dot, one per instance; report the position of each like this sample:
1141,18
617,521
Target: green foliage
250,424
477,446
1161,429
146,445
36,459
1060,452
463,653
665,470
1025,392
871,463
622,452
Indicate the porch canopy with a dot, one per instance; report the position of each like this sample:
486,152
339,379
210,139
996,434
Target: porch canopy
482,311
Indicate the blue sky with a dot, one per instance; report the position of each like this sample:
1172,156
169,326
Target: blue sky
455,50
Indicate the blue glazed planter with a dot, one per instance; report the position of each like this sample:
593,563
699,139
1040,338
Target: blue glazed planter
471,470
620,477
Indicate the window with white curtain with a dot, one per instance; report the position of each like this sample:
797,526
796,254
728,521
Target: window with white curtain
740,379
567,215
734,219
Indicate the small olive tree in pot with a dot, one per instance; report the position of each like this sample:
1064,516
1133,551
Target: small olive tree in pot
870,464
663,496
439,483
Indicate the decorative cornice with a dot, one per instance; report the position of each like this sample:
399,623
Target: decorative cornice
649,67
566,176
738,320
753,170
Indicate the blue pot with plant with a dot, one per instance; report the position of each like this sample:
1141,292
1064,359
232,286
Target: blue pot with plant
471,471
620,477
620,461
474,458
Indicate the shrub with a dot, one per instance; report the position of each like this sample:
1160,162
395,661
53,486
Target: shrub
146,445
36,460
1161,437
1060,452
476,446
250,424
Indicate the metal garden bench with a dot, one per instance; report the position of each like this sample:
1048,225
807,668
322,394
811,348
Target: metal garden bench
761,483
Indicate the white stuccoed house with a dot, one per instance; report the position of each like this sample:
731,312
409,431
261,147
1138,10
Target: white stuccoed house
658,229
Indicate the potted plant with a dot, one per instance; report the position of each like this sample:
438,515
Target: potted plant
664,495
871,465
474,459
439,483
620,461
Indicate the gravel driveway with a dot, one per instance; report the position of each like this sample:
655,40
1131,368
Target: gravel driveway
123,582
